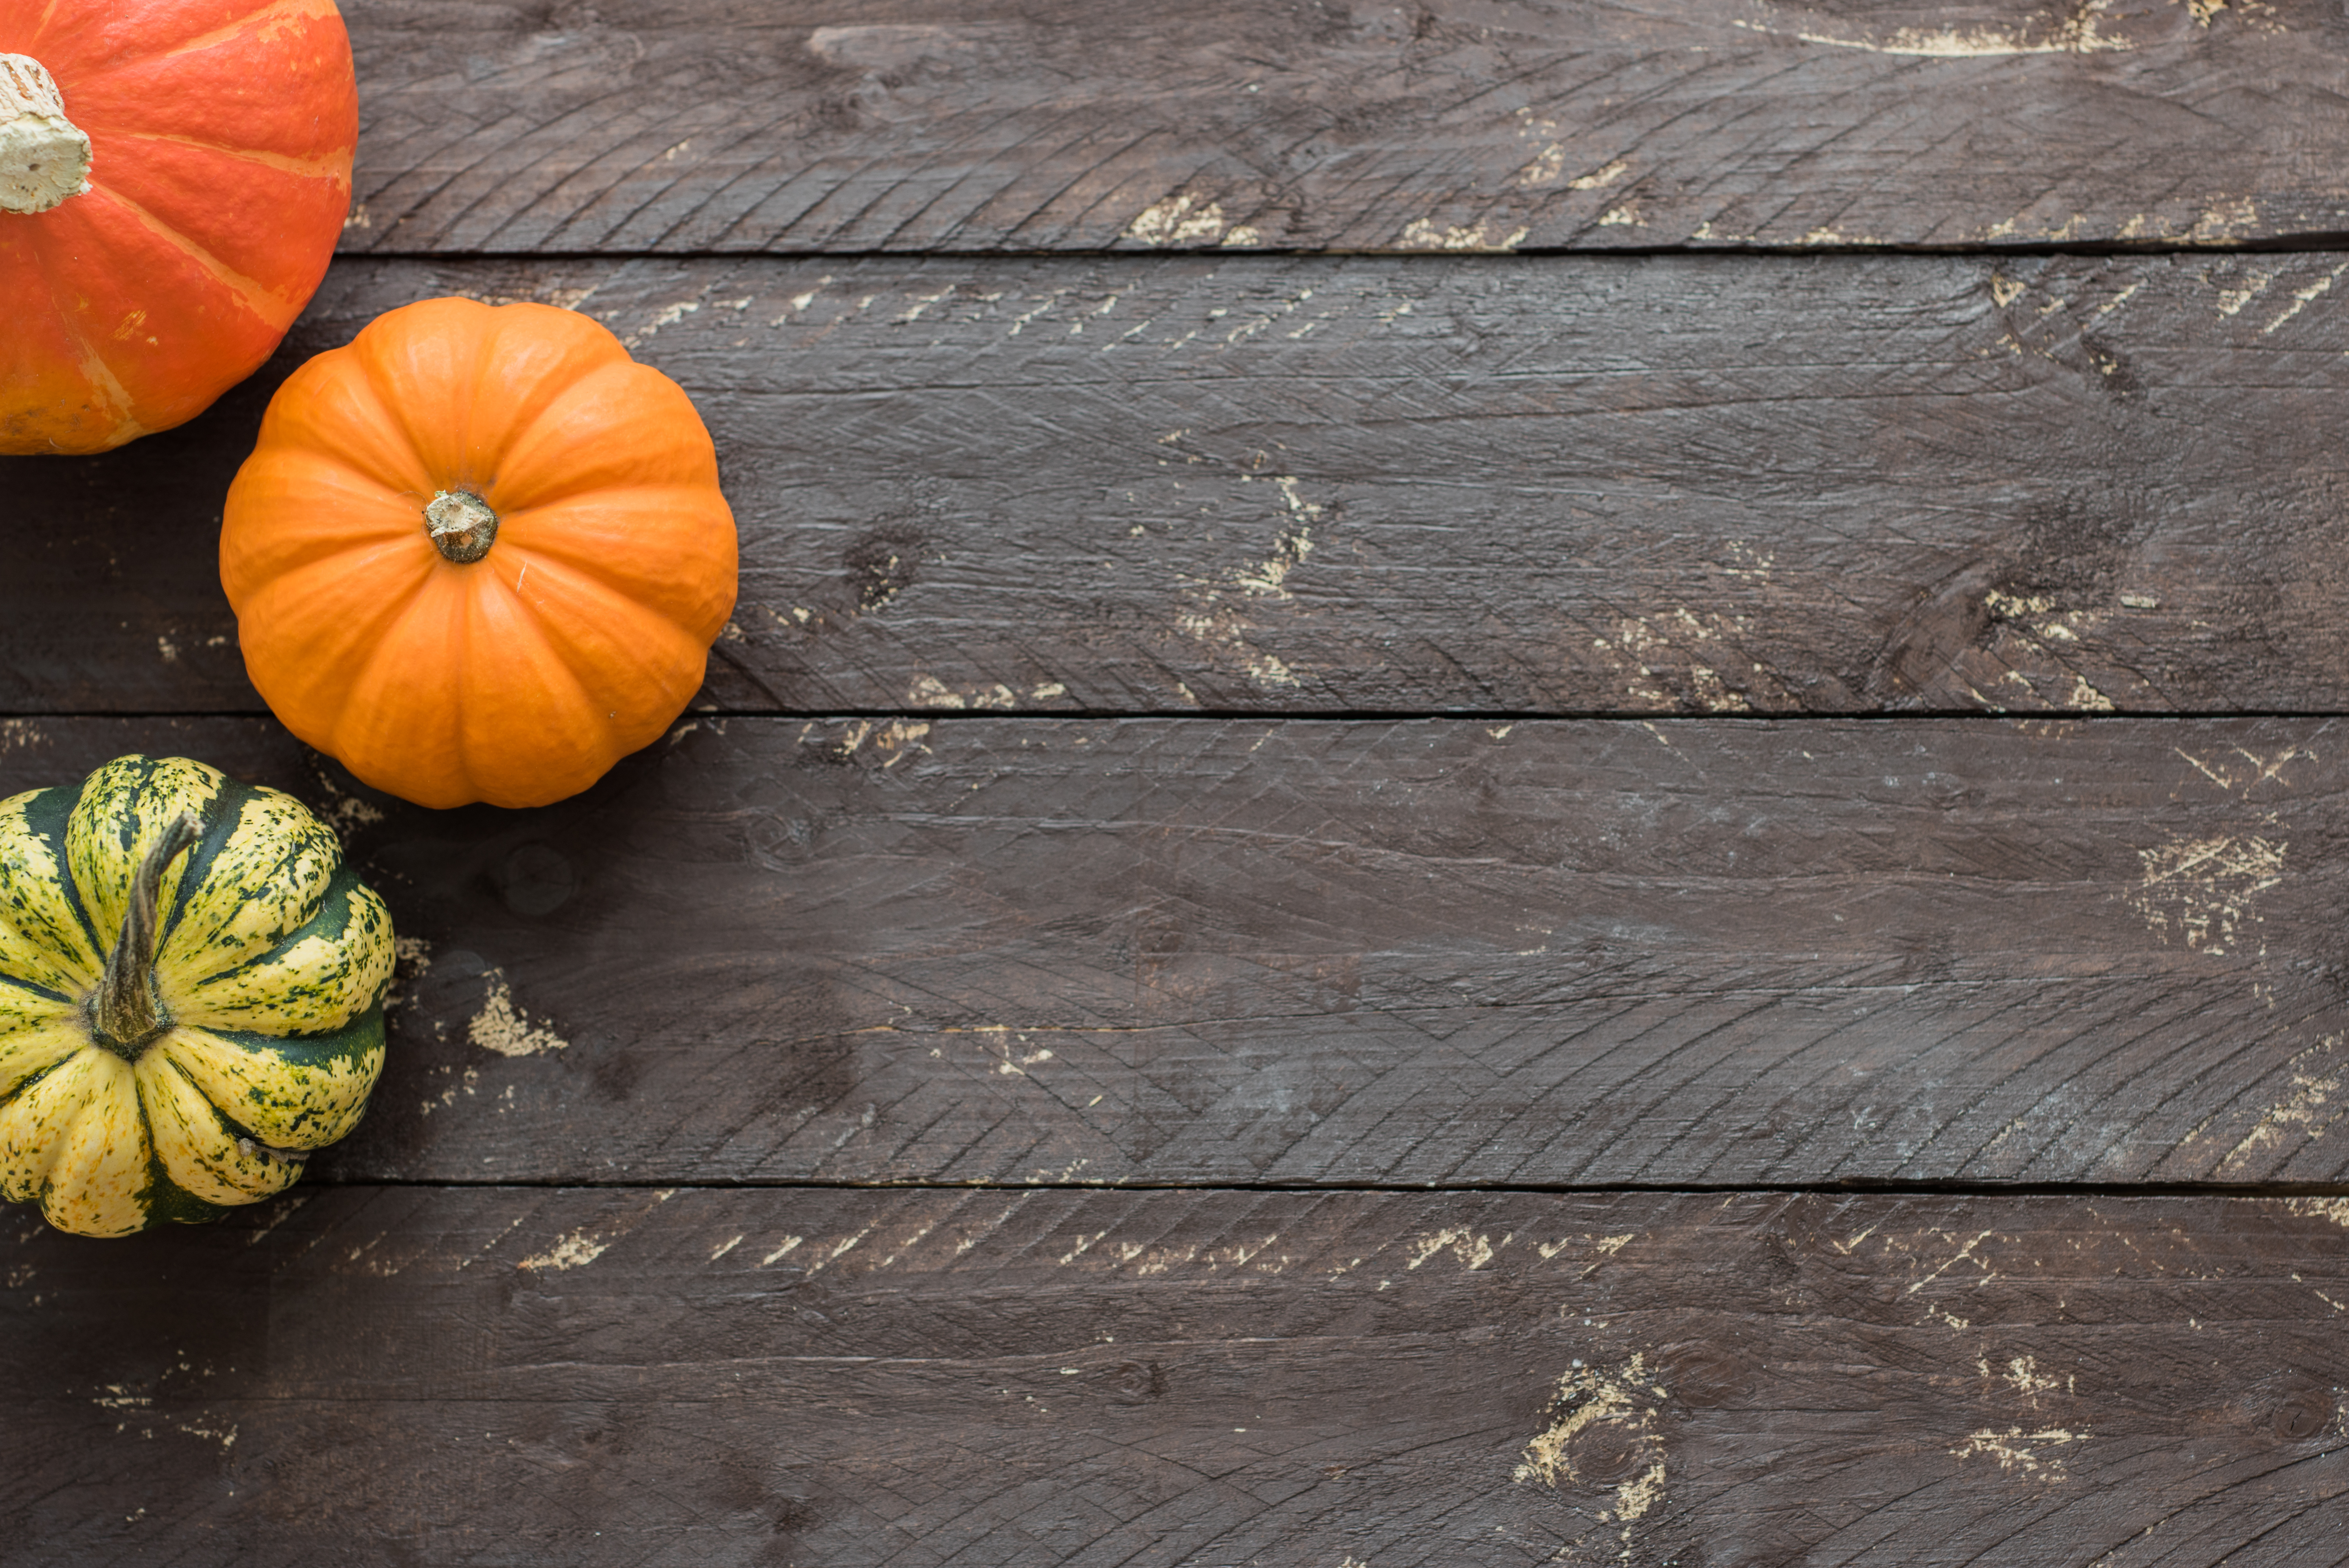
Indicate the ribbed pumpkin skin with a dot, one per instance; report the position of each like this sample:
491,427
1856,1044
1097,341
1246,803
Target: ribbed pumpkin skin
270,972
521,677
221,133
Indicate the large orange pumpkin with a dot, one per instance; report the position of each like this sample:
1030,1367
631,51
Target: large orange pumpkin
173,174
479,554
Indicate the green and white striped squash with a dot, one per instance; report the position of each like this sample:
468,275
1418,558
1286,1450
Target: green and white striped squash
191,995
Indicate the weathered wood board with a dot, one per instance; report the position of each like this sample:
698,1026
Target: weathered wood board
1315,485
1028,125
529,1375
1023,950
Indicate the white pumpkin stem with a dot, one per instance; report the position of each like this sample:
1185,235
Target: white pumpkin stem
123,1010
44,156
461,525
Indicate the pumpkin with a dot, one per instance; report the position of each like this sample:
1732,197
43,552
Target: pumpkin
173,176
480,553
191,995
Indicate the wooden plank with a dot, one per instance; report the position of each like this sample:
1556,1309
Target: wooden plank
518,1374
1578,954
1844,484
1028,125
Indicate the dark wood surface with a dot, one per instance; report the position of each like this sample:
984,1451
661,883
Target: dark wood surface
1333,910
1318,485
529,1375
1029,951
1023,125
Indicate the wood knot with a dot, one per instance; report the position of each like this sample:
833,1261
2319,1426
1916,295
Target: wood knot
2301,1416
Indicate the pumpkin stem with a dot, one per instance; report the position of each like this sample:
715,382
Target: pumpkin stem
123,1011
461,525
44,156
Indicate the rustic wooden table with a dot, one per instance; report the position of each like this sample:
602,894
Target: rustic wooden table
1501,782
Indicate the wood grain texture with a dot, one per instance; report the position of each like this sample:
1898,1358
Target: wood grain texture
1499,485
1034,125
519,1376
1021,950
752,1179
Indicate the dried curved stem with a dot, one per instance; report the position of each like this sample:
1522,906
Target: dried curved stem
123,1011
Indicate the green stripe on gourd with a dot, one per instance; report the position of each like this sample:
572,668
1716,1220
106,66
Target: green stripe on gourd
42,939
297,1094
266,876
191,995
312,981
30,1045
201,1150
124,810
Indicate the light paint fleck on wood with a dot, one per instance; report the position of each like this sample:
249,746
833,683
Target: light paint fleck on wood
1473,1251
2203,891
574,1251
2021,1452
1424,234
505,1029
2080,33
1626,1399
1178,219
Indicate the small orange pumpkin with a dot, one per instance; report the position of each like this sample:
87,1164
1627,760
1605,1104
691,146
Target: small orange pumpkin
480,553
173,175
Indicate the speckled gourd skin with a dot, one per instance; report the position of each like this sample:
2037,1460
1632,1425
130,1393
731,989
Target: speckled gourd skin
270,968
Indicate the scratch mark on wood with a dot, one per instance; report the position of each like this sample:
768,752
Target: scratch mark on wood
1964,1254
2202,890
